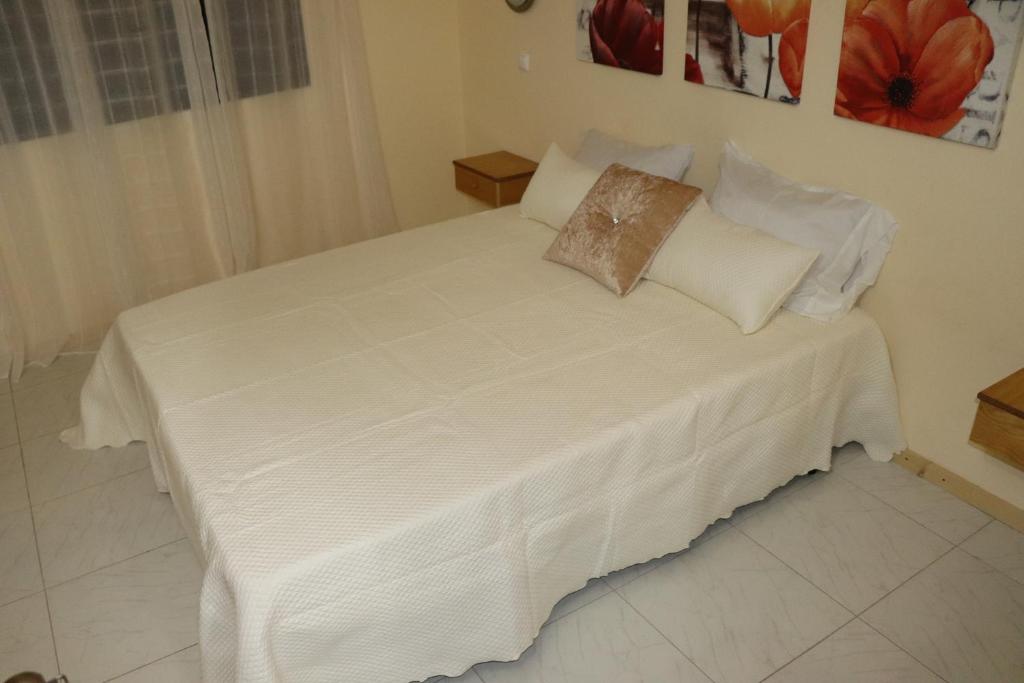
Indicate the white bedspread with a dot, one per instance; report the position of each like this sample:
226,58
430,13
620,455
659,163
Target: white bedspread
394,458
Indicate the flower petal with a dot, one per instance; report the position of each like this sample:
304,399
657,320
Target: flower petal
854,8
762,17
599,49
906,120
924,18
786,12
623,33
867,64
694,73
792,49
892,14
951,66
753,16
840,110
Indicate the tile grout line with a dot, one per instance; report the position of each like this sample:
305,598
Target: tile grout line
143,666
864,611
86,488
49,380
987,525
981,559
822,640
52,380
658,631
612,589
35,536
909,654
960,545
857,615
559,618
23,597
885,502
114,564
853,615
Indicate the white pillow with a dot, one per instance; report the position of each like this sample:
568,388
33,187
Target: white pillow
852,234
741,272
557,188
600,150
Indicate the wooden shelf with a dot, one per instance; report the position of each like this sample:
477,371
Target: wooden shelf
498,178
999,422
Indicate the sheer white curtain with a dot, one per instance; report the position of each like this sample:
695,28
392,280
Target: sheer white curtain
135,161
304,113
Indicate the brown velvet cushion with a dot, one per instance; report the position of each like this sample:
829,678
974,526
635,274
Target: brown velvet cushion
622,222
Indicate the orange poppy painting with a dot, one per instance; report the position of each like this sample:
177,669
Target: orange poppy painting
755,47
935,67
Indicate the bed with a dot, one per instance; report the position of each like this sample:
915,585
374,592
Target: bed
394,458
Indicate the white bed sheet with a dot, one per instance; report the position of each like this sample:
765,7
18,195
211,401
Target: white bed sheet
394,458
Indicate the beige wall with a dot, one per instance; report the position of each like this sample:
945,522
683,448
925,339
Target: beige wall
413,48
951,296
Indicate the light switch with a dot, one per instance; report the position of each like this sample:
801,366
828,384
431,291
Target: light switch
524,61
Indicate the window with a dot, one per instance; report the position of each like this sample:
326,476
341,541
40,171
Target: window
136,57
29,74
267,46
135,54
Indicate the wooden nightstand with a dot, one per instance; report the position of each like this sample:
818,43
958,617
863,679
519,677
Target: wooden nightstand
999,424
499,178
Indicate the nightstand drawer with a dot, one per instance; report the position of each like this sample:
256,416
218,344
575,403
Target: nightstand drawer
999,423
484,189
499,178
1000,433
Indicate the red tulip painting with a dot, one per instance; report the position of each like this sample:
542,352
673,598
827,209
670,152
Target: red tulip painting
755,47
627,34
935,67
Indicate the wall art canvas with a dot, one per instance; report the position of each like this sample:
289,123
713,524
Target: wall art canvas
936,67
755,47
626,34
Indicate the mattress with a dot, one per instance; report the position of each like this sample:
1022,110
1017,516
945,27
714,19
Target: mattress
394,458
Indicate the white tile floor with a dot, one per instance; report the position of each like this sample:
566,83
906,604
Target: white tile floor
863,574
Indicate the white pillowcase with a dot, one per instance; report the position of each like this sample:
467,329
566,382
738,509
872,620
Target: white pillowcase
600,150
557,188
853,235
741,272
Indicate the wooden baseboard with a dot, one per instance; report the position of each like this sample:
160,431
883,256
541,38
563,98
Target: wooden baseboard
989,503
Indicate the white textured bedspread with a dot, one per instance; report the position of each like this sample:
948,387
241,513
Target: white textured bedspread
395,457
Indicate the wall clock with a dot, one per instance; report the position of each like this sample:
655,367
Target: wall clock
519,5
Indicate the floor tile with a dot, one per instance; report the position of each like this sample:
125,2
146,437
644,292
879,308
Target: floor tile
5,386
25,640
794,485
603,642
53,469
734,609
919,499
594,589
844,540
102,525
623,576
65,364
999,546
181,667
848,453
13,494
959,617
8,425
19,563
48,407
856,653
117,619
